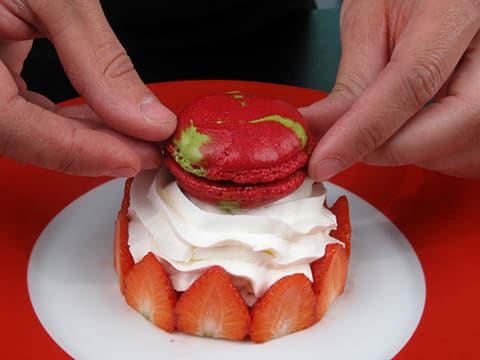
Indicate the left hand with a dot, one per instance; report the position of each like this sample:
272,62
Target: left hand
114,132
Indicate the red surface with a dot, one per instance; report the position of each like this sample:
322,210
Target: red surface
438,214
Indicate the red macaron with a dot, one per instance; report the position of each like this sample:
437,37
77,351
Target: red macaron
239,151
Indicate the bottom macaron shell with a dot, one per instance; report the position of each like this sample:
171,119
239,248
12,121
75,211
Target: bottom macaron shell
229,195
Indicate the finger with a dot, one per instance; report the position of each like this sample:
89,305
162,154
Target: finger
81,112
38,99
82,117
322,114
34,135
12,25
149,153
443,128
447,126
364,39
14,53
465,163
78,111
101,71
429,49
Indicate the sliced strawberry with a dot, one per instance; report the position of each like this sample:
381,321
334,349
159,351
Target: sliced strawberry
286,307
213,307
343,232
148,290
122,259
329,277
330,271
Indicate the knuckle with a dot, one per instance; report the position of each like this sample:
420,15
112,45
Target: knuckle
119,63
368,138
66,160
349,89
349,84
423,81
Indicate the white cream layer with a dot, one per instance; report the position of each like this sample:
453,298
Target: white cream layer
256,246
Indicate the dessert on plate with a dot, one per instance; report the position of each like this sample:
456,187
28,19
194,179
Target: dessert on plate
232,239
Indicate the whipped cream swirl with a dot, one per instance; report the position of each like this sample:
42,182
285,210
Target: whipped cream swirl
256,246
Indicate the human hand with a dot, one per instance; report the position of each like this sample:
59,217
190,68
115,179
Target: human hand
106,136
397,55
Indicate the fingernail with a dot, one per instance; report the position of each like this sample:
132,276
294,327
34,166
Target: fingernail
120,172
325,169
154,112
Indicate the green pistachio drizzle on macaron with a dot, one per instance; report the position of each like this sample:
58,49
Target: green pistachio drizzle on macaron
237,95
187,150
289,123
229,205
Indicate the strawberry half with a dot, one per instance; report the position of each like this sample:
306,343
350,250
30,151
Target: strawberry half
343,232
213,307
149,290
330,271
286,307
122,259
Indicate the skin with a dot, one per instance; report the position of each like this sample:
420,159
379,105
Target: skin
396,57
112,133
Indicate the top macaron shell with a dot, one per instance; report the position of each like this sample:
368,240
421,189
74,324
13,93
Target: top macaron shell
239,138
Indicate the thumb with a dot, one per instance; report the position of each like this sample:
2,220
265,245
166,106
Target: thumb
101,71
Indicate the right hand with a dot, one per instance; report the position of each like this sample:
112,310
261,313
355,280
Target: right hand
397,55
112,133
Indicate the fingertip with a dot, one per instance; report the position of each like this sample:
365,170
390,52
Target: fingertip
99,153
311,115
158,116
132,158
118,161
135,166
324,169
307,111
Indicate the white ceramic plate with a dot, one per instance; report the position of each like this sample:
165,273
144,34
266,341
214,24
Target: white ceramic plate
74,291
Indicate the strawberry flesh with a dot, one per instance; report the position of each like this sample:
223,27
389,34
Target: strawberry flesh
148,290
287,306
330,271
213,307
122,258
